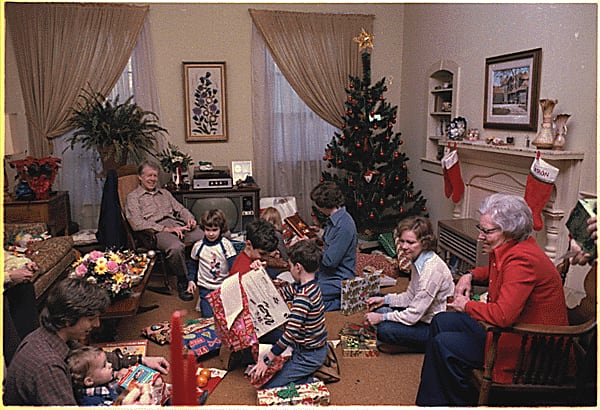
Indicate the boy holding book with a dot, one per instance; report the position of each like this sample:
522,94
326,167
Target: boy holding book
305,331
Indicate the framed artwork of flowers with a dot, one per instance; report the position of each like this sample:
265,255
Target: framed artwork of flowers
205,109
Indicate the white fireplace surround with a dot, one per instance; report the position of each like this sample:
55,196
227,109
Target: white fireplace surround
489,169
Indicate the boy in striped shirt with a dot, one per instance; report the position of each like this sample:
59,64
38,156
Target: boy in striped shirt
305,330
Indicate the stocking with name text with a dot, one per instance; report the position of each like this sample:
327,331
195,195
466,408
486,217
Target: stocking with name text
538,189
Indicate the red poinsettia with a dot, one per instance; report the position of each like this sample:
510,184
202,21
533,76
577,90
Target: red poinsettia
39,173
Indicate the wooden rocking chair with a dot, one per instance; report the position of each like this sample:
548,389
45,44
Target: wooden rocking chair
545,361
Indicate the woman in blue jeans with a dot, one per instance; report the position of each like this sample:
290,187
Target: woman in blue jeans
403,319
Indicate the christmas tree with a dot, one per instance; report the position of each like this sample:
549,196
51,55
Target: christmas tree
369,166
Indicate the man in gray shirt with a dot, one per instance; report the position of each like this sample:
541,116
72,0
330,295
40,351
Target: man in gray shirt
152,208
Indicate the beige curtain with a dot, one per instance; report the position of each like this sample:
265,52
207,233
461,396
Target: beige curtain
60,49
315,53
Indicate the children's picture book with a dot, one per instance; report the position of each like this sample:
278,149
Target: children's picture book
161,331
140,374
267,307
127,347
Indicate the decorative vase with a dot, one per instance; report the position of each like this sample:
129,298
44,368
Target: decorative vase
560,129
545,136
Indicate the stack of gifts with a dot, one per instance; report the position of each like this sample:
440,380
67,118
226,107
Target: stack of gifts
358,341
309,394
356,291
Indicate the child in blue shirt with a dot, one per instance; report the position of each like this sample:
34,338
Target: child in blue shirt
212,258
93,377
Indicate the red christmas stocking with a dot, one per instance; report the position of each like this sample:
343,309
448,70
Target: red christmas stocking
447,183
538,189
451,167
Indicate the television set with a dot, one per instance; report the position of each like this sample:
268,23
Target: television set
240,206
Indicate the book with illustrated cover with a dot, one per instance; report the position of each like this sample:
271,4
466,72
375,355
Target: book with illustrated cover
128,347
299,227
577,225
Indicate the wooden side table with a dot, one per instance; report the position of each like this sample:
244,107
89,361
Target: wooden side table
55,212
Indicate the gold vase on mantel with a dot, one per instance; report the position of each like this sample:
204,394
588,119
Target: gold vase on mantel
545,136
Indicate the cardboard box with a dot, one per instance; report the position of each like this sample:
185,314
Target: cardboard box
309,394
358,341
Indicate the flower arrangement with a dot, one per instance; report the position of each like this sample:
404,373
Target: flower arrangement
38,173
115,271
172,159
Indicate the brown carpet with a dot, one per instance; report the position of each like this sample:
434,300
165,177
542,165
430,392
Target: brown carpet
384,380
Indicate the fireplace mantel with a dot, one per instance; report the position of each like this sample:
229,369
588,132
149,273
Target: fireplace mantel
487,169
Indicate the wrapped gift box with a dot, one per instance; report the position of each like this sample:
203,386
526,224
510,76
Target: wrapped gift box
202,342
309,394
358,341
161,332
356,291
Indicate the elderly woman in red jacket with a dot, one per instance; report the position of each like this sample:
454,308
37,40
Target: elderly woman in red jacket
523,286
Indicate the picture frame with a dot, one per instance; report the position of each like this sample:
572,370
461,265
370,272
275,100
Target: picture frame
205,101
240,170
511,94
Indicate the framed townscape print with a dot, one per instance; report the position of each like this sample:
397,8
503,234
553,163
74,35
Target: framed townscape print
511,92
205,109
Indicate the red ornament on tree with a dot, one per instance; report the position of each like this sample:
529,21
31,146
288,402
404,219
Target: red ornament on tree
381,153
401,210
351,85
410,195
357,145
404,166
321,179
407,180
359,204
381,202
396,178
396,155
370,101
372,215
381,97
400,142
424,209
375,127
339,162
356,127
349,99
350,180
349,154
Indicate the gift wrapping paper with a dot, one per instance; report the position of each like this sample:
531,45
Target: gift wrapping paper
309,394
242,333
358,341
356,291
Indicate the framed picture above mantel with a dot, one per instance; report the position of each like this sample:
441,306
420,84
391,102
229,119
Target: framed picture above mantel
205,101
511,94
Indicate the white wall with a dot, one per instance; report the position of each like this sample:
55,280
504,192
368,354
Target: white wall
468,34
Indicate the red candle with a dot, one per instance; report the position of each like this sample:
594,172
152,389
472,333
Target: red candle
177,376
190,380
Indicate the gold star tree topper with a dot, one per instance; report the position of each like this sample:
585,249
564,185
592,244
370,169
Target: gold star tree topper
365,40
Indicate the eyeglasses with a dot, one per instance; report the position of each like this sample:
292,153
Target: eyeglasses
487,231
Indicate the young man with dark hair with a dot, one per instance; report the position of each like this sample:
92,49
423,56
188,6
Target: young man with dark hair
261,242
38,374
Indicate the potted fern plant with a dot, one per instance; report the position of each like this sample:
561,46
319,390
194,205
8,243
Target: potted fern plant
118,130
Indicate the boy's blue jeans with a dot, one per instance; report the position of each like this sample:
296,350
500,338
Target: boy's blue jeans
299,368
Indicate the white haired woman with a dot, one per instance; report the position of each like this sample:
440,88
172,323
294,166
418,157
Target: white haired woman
524,286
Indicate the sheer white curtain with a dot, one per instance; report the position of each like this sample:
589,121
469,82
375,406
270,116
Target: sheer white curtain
85,188
292,138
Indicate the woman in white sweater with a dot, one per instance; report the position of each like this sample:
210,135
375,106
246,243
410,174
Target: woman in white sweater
403,319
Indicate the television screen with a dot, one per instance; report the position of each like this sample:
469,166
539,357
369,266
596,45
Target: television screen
227,205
